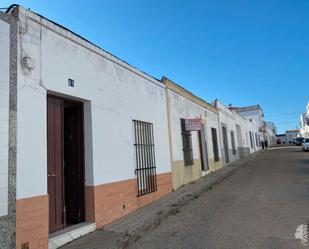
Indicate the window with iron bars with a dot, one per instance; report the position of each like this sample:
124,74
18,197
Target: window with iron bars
145,157
186,144
215,144
256,140
251,139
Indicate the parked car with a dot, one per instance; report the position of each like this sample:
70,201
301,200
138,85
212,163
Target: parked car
299,141
305,144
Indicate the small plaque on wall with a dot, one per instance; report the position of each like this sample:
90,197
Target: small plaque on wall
71,82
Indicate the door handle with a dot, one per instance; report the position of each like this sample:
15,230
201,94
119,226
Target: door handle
51,175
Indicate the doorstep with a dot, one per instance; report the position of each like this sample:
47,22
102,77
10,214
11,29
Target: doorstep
207,172
69,234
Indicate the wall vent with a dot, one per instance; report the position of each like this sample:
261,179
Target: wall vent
25,245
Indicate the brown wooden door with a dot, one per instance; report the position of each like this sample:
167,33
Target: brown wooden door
74,163
225,144
55,163
203,148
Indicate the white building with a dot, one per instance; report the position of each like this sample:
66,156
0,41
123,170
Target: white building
256,114
76,99
303,131
290,136
196,151
270,133
304,123
239,135
280,139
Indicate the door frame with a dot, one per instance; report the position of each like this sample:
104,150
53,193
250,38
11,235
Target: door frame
203,148
63,99
225,143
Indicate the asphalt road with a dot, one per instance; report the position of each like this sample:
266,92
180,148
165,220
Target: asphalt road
259,207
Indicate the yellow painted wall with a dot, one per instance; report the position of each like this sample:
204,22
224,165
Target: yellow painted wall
213,166
185,174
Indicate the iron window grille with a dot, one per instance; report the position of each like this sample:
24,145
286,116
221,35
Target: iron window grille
215,144
186,144
233,143
256,140
145,157
250,133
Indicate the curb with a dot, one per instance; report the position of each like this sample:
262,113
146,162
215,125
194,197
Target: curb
174,207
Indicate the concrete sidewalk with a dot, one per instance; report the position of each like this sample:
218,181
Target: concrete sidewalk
130,228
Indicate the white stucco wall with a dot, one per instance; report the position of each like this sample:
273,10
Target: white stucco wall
230,119
281,138
289,135
212,121
247,126
4,114
181,107
114,94
271,132
227,119
242,123
303,124
255,115
304,127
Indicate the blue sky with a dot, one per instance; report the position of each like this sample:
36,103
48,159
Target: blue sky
241,52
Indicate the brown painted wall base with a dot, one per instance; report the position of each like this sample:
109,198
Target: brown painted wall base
114,200
104,204
32,222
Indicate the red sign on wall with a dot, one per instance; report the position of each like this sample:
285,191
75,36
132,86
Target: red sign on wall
193,124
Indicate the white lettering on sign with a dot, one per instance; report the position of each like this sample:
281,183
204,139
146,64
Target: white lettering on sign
193,124
4,114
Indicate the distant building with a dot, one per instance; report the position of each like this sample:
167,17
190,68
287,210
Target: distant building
290,135
280,139
239,134
254,113
270,133
304,123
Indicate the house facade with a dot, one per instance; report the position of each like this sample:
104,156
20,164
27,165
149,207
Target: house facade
270,133
239,135
304,128
193,152
304,123
92,134
256,114
290,136
281,139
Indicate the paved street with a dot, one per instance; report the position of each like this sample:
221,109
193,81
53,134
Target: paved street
260,206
